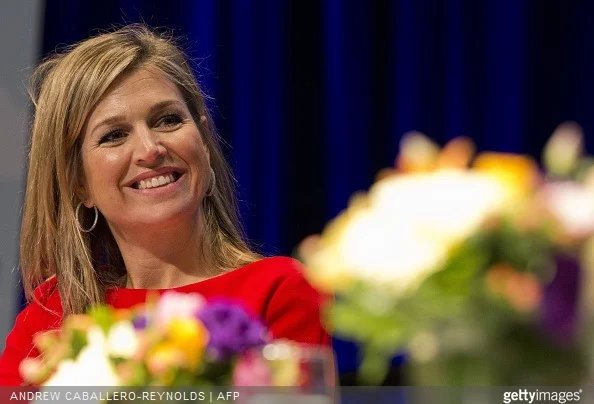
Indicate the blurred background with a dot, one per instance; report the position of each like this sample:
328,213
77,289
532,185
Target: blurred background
313,96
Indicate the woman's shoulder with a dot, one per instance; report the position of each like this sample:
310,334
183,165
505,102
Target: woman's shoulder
45,310
289,272
283,279
273,271
47,291
261,281
293,305
46,298
277,266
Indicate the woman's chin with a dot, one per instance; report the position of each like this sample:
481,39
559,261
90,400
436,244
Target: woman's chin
157,219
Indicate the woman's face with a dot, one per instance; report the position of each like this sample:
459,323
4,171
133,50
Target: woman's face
144,160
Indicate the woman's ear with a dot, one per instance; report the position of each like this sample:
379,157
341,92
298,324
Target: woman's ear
83,195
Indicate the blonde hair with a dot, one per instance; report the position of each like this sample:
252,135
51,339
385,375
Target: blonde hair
64,89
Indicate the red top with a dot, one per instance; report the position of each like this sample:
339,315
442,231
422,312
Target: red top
274,288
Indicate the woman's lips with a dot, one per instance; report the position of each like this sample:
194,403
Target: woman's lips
162,189
157,181
153,173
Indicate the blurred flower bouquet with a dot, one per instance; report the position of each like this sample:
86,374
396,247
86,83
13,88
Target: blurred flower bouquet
177,340
478,267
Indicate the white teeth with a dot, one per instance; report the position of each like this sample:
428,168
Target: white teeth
156,181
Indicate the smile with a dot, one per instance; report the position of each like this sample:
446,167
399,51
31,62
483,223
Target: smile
156,181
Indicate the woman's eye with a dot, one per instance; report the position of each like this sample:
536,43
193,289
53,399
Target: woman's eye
113,136
170,120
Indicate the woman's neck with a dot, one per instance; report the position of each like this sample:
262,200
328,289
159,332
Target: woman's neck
172,256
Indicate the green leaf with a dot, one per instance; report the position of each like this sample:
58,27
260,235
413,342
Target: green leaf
349,320
103,316
79,341
374,366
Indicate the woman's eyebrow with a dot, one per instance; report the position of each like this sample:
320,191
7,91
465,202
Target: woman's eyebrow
109,121
164,104
153,109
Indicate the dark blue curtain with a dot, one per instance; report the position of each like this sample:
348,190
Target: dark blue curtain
313,96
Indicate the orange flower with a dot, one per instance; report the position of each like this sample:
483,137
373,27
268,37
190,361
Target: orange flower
524,292
122,315
126,371
456,154
521,290
518,173
497,277
145,342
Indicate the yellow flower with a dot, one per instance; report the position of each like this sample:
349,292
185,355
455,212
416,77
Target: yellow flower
80,322
323,270
190,337
418,153
519,174
564,149
326,270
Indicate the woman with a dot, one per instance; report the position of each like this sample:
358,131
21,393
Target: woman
128,191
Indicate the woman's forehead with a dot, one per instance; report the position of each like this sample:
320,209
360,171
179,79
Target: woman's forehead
142,85
136,92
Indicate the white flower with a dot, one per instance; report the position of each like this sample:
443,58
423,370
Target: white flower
572,205
374,248
447,204
91,368
122,340
407,228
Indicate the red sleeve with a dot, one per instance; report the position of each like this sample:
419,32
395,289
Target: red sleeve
294,312
19,342
19,345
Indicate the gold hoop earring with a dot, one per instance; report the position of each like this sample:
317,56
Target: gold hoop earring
213,183
78,222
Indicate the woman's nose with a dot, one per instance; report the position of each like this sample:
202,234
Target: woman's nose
149,148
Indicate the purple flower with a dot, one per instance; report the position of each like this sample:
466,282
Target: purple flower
231,329
140,322
560,303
